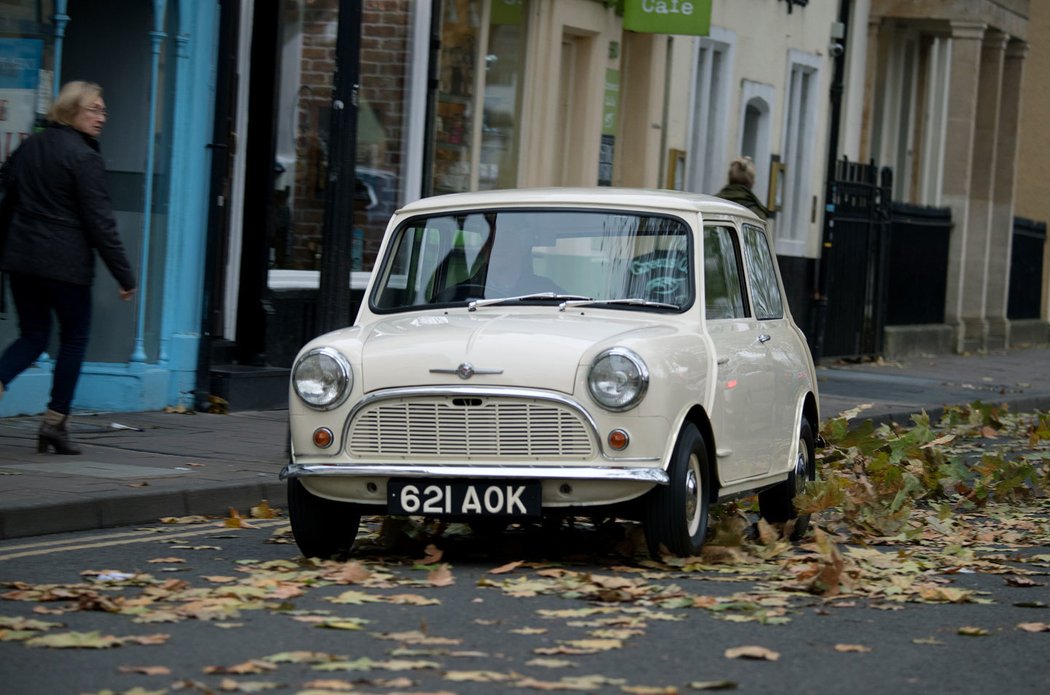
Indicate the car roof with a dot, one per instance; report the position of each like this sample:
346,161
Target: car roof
596,196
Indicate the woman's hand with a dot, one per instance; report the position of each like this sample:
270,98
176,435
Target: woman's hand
126,295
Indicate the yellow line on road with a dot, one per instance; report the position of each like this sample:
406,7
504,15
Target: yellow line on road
143,536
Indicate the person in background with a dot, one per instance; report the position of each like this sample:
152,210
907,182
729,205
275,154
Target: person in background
55,190
738,189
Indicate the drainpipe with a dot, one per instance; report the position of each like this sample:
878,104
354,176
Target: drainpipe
156,37
61,19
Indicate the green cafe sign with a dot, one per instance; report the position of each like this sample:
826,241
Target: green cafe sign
691,17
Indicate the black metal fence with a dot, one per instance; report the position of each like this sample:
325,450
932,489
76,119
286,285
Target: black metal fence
851,309
917,264
1026,269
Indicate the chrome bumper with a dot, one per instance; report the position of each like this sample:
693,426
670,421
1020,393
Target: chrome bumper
598,473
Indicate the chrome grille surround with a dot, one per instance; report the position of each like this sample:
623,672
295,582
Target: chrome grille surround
470,423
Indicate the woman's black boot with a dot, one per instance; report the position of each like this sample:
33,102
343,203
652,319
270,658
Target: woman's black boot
54,433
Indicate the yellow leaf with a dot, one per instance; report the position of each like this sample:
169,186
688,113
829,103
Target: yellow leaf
263,510
75,640
971,631
477,676
852,648
412,600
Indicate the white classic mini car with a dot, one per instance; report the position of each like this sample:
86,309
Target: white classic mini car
541,352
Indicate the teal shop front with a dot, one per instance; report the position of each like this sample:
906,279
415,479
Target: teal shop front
155,60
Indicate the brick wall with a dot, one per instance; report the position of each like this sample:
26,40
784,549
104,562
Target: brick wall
384,56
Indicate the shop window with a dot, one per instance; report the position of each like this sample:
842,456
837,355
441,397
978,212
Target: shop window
476,129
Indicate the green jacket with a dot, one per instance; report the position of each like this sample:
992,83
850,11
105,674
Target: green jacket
742,195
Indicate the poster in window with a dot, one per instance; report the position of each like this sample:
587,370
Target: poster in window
20,62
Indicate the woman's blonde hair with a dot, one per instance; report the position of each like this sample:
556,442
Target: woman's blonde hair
74,96
742,170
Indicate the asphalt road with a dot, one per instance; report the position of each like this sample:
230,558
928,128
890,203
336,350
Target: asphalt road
237,610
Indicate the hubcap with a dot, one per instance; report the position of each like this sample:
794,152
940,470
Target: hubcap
692,494
801,461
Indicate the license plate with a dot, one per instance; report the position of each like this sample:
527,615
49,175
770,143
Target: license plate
440,497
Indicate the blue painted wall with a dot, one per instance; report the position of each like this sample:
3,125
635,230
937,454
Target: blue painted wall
110,381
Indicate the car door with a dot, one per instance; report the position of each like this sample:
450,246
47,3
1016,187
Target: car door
742,411
783,352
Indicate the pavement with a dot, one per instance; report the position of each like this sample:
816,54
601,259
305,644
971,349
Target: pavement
137,468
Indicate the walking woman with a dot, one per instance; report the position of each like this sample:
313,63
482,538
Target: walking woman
58,205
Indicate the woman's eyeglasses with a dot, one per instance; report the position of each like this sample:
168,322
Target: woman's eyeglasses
96,110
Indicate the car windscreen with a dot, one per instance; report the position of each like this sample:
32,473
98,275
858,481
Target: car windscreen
537,256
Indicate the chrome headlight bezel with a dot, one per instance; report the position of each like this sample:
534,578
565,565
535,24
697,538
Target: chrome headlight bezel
335,369
618,379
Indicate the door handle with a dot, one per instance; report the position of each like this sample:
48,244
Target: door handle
723,360
764,338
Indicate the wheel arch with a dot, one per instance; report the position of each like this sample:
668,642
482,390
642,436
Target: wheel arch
811,413
698,417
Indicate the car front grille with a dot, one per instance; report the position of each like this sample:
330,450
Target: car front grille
470,427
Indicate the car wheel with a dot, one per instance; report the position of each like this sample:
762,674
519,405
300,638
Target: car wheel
777,503
321,527
676,513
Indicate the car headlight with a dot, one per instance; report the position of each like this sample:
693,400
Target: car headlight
322,378
618,379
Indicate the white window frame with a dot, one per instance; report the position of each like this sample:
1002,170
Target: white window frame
762,97
706,162
794,224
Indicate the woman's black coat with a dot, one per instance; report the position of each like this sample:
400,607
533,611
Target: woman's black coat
61,210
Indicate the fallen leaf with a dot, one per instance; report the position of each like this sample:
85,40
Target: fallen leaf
263,510
752,652
328,684
971,631
166,560
852,648
509,567
75,640
713,685
441,576
146,670
245,667
1034,627
478,676
235,520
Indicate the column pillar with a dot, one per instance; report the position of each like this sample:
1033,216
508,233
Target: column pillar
867,119
1000,232
983,178
966,40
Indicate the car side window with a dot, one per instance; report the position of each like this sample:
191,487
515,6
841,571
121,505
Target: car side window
765,291
723,290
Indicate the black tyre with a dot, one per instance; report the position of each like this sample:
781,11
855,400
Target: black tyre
321,527
777,503
676,514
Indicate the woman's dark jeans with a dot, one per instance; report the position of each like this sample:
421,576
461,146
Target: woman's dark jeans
35,298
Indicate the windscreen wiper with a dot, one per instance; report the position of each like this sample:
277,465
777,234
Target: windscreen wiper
631,301
474,304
